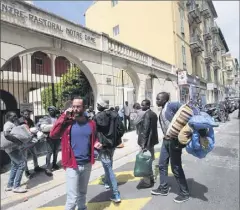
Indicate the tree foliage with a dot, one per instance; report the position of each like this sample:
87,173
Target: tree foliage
73,83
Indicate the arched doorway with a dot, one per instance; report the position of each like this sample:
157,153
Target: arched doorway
39,84
124,89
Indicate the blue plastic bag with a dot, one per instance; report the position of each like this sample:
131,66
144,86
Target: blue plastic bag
196,149
202,121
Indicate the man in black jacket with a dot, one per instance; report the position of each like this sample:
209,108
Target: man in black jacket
147,138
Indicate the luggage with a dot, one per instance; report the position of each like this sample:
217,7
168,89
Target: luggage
179,120
143,164
185,135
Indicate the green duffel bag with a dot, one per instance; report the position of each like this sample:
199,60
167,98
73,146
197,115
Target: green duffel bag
143,164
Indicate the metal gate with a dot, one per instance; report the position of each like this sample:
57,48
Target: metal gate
37,80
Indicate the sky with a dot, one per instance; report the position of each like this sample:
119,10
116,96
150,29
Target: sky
228,17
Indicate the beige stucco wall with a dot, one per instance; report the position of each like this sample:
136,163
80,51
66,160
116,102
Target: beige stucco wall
149,28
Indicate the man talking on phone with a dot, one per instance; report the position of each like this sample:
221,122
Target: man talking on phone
78,144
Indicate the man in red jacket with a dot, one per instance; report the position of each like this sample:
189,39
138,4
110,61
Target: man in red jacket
78,143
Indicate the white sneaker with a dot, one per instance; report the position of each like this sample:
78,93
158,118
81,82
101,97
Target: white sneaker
19,190
8,189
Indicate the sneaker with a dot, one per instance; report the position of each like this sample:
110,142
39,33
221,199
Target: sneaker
181,199
48,172
55,167
160,191
116,198
106,186
8,188
38,169
19,190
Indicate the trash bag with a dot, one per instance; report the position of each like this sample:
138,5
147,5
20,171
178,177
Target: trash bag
22,133
143,164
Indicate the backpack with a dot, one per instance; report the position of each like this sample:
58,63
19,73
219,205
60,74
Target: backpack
110,129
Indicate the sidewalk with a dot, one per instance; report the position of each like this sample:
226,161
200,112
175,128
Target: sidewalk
41,183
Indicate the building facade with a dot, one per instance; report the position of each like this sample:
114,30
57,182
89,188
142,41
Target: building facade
231,76
183,33
38,48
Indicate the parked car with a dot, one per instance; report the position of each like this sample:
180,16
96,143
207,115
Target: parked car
217,111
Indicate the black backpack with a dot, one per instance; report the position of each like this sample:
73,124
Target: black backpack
110,129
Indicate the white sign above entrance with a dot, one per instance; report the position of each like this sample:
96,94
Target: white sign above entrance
28,16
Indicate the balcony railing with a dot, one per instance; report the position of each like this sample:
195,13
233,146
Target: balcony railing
196,44
194,14
207,33
208,57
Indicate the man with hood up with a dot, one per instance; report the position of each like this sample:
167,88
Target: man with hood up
52,145
109,134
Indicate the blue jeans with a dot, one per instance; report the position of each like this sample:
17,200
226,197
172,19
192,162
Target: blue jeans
106,157
17,168
77,183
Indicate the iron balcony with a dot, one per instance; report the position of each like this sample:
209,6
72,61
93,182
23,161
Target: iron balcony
207,33
208,57
196,44
194,14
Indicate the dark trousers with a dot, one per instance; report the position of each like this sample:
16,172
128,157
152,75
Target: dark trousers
171,149
127,118
52,149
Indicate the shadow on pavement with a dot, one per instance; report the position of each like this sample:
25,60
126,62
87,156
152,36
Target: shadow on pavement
37,179
196,189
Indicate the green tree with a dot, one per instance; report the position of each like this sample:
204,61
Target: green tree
73,83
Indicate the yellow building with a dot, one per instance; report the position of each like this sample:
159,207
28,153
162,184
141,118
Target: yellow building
154,27
178,32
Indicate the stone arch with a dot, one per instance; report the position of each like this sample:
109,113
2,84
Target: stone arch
40,63
13,65
72,58
9,100
135,79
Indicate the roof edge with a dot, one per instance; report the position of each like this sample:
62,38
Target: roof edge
223,40
211,5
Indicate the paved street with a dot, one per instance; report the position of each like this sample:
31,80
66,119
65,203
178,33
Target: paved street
213,181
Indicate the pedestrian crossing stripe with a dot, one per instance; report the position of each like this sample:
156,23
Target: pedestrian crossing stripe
127,204
124,176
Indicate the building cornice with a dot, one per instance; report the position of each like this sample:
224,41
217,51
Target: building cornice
223,40
212,8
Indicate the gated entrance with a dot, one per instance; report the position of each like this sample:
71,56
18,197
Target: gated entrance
39,79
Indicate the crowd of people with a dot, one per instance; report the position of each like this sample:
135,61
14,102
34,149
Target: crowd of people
86,136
